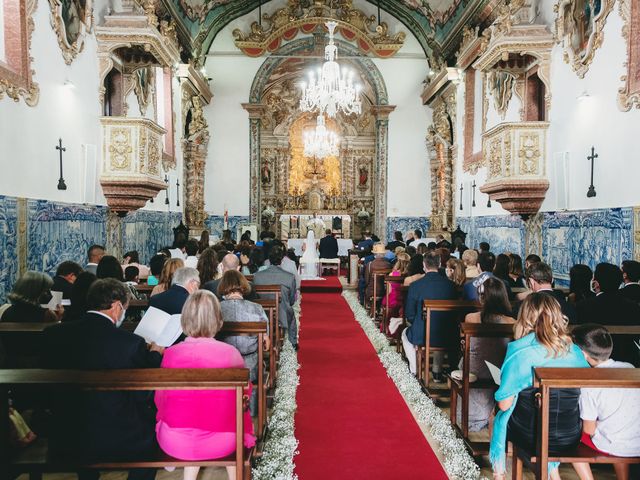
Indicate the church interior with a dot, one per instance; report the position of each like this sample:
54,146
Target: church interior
253,127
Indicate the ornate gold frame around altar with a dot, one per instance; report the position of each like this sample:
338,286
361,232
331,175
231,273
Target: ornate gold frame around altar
19,84
71,20
580,37
629,93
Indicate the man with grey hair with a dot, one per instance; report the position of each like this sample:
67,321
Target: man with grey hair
229,262
186,280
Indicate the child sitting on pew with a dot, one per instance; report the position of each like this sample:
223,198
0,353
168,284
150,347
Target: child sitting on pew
610,416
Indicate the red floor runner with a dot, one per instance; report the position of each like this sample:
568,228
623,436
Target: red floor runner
351,421
329,284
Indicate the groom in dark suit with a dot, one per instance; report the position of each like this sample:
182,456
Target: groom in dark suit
328,246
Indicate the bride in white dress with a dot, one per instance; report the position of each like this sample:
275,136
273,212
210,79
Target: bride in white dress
309,260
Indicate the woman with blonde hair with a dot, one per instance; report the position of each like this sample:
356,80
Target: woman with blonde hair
164,282
541,340
470,259
200,425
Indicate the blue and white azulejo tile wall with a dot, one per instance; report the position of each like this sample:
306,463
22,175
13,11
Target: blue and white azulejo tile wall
215,225
148,231
406,224
565,238
8,244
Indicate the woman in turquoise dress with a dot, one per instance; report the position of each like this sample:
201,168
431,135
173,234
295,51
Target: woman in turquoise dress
541,340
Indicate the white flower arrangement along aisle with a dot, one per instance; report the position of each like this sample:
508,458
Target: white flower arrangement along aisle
458,463
281,444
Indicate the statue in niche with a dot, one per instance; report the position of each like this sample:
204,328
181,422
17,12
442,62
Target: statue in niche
266,173
363,177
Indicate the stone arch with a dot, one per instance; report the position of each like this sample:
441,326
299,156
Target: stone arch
381,110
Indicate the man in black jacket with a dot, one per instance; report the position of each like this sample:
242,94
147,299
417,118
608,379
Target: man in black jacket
102,425
328,246
631,279
66,275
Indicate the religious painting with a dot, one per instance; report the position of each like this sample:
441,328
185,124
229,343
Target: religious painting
579,28
629,93
143,83
501,87
71,20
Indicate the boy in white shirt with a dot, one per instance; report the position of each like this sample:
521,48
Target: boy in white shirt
610,416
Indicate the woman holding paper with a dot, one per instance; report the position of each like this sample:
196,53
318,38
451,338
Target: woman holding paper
31,300
199,425
541,340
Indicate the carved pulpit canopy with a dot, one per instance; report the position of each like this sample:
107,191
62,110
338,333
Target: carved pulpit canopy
286,23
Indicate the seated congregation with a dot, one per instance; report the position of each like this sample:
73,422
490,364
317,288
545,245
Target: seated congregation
427,297
221,313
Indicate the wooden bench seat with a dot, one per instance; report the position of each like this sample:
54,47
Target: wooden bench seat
546,379
37,458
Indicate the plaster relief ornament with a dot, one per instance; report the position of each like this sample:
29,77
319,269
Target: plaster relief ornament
143,81
579,28
437,12
71,20
198,9
629,93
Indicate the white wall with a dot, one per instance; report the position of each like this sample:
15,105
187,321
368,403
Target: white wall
577,124
227,174
28,135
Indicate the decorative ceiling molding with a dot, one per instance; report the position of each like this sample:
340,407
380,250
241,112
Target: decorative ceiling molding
199,25
580,30
286,23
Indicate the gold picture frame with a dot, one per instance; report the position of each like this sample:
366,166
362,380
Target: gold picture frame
71,20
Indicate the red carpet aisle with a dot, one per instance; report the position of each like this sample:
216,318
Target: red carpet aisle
351,421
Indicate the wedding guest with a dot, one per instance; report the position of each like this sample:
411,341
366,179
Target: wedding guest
30,292
208,266
109,267
155,265
516,274
531,258
228,242
191,250
164,282
495,309
580,283
233,288
470,259
456,272
200,425
132,259
78,297
631,280
541,340
184,282
66,273
94,255
399,269
203,243
415,270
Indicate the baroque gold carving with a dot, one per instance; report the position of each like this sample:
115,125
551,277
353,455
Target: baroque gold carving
120,149
629,93
579,28
529,154
71,20
286,23
18,83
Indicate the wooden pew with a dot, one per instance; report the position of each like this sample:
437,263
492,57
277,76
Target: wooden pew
375,274
30,461
273,292
144,288
260,330
388,281
462,389
548,378
270,307
458,309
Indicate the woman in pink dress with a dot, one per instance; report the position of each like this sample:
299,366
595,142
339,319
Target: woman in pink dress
395,296
200,425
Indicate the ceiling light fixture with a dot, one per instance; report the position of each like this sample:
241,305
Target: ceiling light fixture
330,89
321,142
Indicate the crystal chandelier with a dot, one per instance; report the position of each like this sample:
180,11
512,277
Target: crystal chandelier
330,90
320,142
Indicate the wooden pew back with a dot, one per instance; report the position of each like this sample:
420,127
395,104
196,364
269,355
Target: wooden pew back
120,380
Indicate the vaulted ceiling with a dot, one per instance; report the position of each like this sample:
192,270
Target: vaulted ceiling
437,24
